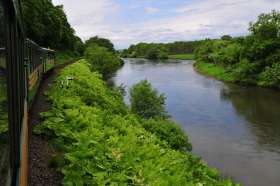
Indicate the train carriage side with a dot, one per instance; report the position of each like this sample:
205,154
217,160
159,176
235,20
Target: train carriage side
23,64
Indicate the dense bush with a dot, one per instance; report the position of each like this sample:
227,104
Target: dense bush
146,101
244,72
271,76
250,59
169,131
102,60
62,57
102,42
155,53
105,145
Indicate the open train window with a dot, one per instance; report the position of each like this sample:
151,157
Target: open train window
4,146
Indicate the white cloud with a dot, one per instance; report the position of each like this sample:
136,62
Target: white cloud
194,20
151,10
89,17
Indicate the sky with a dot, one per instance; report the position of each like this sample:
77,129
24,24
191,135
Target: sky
127,22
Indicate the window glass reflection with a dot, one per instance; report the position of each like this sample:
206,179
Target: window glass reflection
4,151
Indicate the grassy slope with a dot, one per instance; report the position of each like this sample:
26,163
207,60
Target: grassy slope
104,144
214,70
182,56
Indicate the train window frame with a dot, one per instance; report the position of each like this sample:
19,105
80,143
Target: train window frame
5,167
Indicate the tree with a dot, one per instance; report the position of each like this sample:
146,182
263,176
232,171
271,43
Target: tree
156,53
102,42
146,101
252,59
169,131
48,26
267,26
226,37
102,60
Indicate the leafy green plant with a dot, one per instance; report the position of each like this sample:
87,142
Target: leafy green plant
250,59
271,76
101,42
104,144
102,60
62,57
169,131
146,101
244,71
156,53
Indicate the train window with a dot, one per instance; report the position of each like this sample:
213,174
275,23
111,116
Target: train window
4,147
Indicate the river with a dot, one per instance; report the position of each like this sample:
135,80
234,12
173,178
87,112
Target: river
235,129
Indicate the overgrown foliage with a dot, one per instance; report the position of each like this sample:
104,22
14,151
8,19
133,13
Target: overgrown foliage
102,60
47,25
62,57
103,144
102,42
146,101
253,59
169,131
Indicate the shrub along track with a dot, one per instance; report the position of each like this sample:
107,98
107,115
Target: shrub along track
40,152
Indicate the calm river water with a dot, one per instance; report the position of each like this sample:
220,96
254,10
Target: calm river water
233,128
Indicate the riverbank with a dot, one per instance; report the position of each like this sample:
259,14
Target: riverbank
218,118
214,71
220,72
182,56
104,143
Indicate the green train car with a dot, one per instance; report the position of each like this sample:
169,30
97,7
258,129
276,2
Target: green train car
23,64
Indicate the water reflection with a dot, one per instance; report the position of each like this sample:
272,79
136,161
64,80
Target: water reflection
234,128
261,108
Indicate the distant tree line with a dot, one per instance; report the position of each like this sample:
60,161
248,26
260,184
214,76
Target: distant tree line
160,50
254,59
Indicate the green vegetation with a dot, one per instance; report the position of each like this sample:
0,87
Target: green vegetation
155,53
49,66
251,60
104,143
213,70
102,60
145,50
48,26
102,42
167,130
62,57
176,50
182,56
146,102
